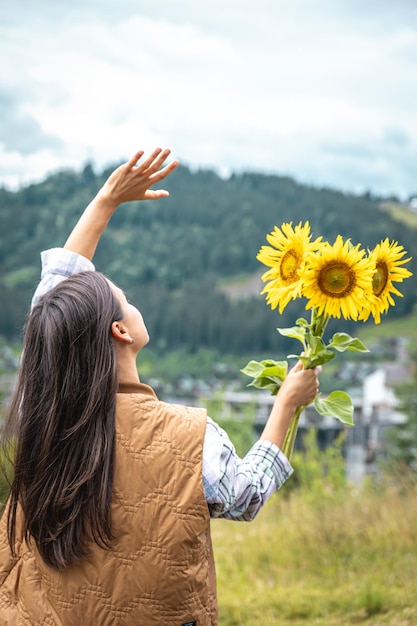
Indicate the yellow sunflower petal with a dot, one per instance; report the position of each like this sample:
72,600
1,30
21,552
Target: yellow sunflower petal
285,258
387,259
337,279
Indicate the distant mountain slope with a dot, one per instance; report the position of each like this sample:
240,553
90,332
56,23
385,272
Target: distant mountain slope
171,255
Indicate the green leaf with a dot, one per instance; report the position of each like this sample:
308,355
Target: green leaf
253,368
322,357
276,371
295,333
267,367
316,359
301,322
338,404
267,374
343,341
273,385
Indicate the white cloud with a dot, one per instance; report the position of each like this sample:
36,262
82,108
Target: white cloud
322,91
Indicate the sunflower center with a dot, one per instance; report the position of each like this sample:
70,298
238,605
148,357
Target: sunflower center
380,278
289,265
336,280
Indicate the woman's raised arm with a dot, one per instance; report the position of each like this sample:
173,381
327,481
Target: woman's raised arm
129,182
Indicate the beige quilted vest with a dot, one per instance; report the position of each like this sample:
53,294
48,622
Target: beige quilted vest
160,570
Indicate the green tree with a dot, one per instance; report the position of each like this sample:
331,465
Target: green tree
171,256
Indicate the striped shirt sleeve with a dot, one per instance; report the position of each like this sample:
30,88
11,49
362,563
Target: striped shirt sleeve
58,264
237,488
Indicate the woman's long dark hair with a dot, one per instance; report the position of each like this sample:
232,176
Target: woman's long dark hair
62,418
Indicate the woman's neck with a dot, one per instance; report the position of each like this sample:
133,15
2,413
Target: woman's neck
126,369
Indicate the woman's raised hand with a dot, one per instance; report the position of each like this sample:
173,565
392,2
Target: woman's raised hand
133,180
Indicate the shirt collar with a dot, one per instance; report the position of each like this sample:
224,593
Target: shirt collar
141,388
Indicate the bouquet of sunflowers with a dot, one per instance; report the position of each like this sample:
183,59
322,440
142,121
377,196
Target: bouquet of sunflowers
339,280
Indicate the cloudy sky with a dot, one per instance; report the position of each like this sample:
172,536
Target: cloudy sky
323,91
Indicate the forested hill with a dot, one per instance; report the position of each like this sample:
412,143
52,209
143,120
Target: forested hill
171,256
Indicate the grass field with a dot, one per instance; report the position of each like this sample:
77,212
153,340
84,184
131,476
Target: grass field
321,552
321,559
405,327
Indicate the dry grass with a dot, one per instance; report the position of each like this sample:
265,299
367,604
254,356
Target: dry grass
321,561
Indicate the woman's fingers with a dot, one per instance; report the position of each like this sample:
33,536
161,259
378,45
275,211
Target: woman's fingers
134,159
153,162
164,172
150,171
298,366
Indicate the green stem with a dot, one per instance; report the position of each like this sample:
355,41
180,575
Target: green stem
318,323
288,446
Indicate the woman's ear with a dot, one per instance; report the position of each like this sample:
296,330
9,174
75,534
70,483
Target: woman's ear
120,332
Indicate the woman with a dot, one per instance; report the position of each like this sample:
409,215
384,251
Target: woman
108,521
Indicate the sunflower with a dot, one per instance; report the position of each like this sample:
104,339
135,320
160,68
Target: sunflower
337,280
387,258
285,257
